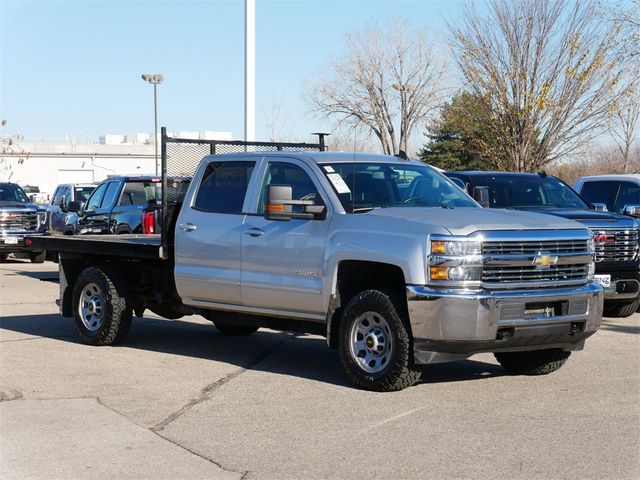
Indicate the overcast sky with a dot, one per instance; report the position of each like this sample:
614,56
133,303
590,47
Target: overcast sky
74,67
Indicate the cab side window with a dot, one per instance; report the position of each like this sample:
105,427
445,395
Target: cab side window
110,195
66,195
629,194
96,199
282,173
57,197
223,187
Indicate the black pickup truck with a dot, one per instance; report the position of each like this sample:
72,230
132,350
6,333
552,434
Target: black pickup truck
616,236
123,204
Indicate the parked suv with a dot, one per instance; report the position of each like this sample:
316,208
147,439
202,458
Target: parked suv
620,193
123,204
615,236
19,217
67,198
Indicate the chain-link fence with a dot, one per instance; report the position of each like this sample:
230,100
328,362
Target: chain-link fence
181,157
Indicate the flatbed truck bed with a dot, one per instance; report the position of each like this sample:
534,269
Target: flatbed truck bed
147,247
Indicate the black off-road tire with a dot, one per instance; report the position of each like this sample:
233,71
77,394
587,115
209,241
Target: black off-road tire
235,330
400,371
3,257
37,257
621,310
117,313
535,362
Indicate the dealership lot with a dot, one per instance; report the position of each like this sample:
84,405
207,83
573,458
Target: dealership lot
179,400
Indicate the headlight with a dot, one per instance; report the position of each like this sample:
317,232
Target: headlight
455,262
455,247
42,217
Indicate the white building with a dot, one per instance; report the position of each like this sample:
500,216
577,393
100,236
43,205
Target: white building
48,165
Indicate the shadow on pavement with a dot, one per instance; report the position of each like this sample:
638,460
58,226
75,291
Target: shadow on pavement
616,327
42,276
304,356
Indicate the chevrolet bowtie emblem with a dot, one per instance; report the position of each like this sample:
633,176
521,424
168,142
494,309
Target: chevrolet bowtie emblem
545,261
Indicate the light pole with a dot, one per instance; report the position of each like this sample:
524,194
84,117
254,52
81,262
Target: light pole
155,79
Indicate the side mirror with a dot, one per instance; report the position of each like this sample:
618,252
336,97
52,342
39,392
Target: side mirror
279,203
481,195
599,207
631,210
72,207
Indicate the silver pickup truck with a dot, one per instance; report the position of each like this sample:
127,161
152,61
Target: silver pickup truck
386,257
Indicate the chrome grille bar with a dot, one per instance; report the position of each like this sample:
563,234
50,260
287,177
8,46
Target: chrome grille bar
19,221
615,245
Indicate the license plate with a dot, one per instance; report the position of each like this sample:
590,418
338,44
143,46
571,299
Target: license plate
604,280
10,240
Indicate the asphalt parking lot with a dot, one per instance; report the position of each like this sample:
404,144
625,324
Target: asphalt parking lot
179,400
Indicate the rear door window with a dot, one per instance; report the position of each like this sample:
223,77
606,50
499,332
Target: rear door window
137,193
223,187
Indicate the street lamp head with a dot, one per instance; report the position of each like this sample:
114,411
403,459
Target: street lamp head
152,78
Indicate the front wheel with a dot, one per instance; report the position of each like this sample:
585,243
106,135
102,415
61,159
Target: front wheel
101,312
375,343
536,362
621,310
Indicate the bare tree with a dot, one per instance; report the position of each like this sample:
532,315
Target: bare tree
278,123
549,71
388,82
624,125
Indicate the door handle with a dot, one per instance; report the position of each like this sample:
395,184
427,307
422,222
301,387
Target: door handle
254,232
187,227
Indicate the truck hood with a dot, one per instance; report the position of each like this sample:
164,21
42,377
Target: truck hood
464,221
590,218
17,206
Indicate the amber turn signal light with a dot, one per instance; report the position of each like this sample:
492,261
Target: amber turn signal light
439,273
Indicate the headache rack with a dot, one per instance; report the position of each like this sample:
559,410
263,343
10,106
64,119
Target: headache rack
181,156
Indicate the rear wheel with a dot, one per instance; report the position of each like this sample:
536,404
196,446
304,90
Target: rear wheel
101,312
375,343
3,257
621,310
536,362
37,257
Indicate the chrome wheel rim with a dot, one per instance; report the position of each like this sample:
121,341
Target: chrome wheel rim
371,342
91,307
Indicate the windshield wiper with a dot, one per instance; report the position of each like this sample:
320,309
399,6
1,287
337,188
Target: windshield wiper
446,205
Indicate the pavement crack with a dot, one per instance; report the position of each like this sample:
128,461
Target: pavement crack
205,393
36,338
193,452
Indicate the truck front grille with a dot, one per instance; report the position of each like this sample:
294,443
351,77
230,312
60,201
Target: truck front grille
614,245
535,263
550,246
22,221
555,273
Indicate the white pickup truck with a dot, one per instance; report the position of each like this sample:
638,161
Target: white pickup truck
384,256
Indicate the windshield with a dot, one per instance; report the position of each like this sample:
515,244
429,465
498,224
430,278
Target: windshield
529,192
364,186
12,193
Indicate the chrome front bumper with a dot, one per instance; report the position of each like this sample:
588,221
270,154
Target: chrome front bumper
450,325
